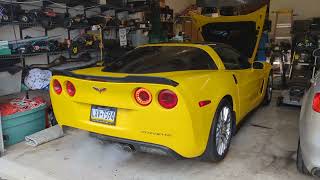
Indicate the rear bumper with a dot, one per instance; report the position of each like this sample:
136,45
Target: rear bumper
142,146
183,129
157,143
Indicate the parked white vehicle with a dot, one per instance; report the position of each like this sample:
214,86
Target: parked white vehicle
308,156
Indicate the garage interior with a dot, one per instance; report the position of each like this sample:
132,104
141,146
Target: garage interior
38,39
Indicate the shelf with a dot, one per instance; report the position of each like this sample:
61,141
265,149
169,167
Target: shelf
24,25
129,9
29,25
128,27
17,56
79,27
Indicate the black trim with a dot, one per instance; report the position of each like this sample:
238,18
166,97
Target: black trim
127,79
138,144
235,79
262,87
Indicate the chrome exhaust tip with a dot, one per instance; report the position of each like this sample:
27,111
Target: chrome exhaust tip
127,147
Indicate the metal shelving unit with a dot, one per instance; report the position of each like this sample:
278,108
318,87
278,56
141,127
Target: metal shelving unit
16,56
23,26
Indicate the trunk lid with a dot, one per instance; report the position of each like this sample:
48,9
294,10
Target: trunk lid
242,32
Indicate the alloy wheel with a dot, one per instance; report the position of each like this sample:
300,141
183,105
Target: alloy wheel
223,131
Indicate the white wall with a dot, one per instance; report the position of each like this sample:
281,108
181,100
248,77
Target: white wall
303,8
179,5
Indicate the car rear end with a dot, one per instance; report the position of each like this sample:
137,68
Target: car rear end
149,112
309,126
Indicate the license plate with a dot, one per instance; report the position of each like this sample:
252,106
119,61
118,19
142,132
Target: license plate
105,115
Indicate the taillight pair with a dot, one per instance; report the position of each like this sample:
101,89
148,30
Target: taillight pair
71,90
166,98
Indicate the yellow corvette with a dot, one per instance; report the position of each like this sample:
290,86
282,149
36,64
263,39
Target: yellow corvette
183,100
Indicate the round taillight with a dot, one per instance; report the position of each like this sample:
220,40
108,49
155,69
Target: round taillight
168,99
71,90
57,86
316,103
143,96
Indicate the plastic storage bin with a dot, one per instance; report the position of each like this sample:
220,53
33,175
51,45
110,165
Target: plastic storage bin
17,126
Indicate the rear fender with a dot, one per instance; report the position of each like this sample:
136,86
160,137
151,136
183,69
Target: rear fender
215,86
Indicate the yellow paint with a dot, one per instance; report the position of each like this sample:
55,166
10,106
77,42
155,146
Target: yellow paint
258,16
185,128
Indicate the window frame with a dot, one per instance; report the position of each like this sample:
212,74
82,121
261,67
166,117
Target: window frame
240,61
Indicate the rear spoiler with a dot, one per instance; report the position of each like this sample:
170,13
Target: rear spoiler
127,79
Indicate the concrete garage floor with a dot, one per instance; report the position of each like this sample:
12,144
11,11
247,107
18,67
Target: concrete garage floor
266,152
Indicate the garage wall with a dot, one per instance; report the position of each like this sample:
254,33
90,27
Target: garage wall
303,8
179,5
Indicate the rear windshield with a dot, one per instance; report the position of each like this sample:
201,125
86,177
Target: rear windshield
157,59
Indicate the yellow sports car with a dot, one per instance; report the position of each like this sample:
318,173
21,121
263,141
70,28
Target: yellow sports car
183,100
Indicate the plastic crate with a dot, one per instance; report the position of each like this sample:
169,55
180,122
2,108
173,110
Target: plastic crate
17,126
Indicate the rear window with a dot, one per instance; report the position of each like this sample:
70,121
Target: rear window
157,59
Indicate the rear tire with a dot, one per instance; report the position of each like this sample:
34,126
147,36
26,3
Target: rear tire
220,134
300,163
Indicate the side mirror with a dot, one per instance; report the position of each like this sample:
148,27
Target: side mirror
257,65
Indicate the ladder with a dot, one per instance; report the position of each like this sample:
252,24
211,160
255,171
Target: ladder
283,25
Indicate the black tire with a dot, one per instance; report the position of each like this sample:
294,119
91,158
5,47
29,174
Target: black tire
211,153
24,19
300,164
268,94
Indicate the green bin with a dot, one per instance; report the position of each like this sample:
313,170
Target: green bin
17,126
